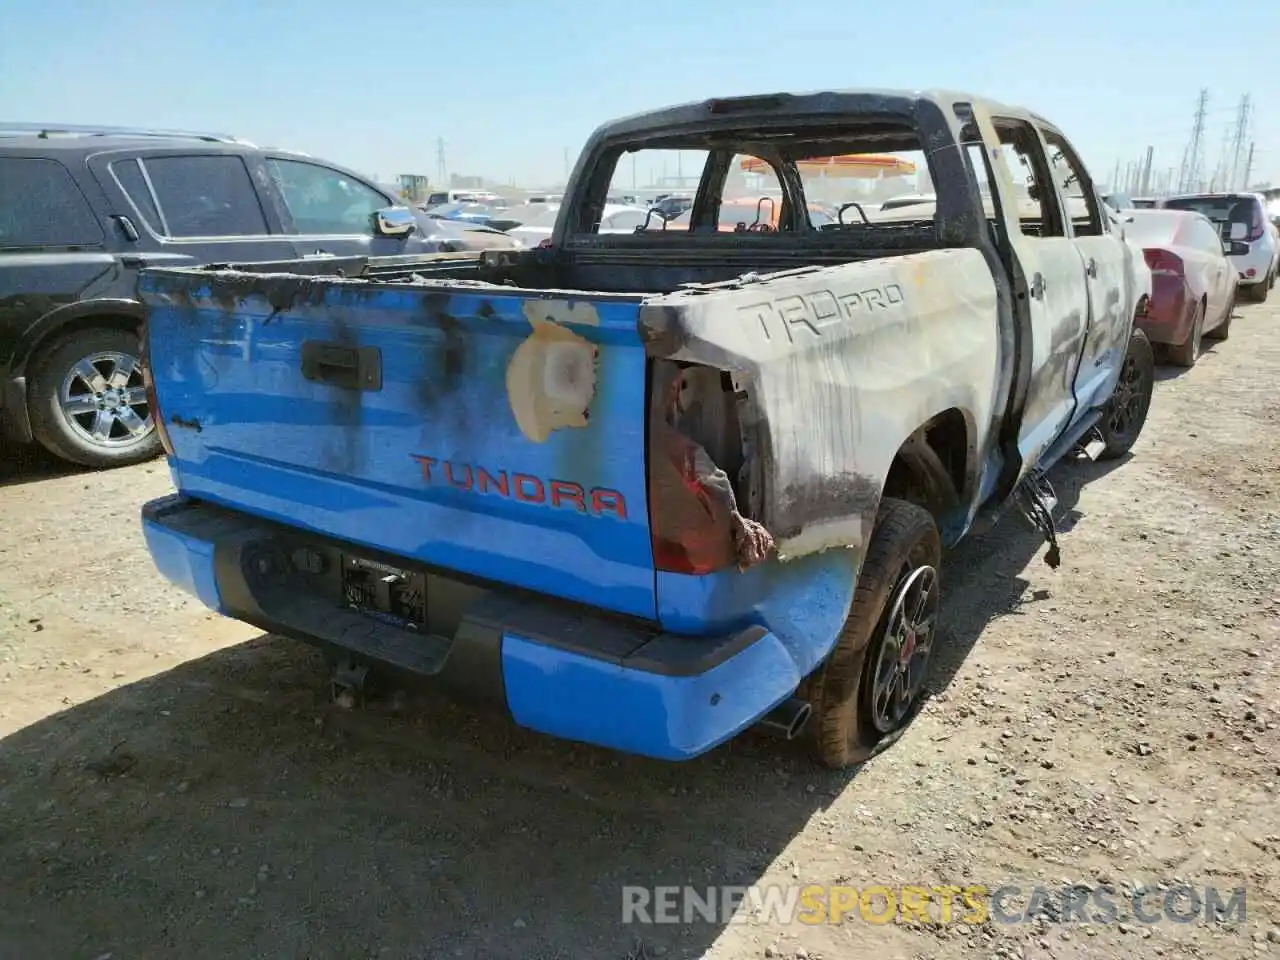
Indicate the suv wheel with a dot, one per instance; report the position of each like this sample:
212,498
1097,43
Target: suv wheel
88,402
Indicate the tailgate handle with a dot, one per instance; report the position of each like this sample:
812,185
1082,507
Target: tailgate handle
351,368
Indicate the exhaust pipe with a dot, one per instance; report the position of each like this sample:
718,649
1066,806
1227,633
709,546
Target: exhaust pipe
787,719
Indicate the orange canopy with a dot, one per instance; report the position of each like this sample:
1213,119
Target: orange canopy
861,165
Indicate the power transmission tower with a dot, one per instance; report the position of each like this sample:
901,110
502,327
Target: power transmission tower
1145,188
1192,158
441,170
1248,168
1238,140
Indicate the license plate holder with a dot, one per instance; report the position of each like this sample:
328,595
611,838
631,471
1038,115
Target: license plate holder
385,592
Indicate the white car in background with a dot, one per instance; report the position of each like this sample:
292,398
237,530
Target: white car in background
908,200
1242,217
617,218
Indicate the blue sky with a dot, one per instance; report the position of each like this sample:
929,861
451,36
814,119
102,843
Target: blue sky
512,84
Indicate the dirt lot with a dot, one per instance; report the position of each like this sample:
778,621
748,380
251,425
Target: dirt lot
176,785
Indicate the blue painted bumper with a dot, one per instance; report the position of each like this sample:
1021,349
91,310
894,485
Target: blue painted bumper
562,671
184,560
640,711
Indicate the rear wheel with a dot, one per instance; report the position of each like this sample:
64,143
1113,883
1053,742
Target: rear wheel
1126,411
88,402
875,676
1186,354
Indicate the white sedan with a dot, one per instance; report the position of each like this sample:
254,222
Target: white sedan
617,218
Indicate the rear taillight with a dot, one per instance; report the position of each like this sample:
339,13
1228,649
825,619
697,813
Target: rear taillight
691,504
1257,226
153,404
1163,262
688,535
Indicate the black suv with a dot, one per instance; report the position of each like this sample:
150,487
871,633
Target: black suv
83,209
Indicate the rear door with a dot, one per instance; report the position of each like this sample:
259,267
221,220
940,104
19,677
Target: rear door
1106,260
328,211
190,207
53,250
1058,296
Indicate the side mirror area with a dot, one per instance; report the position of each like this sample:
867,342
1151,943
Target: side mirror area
394,222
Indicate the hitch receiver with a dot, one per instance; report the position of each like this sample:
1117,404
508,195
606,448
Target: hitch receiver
349,683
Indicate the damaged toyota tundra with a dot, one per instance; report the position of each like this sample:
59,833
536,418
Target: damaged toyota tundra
650,489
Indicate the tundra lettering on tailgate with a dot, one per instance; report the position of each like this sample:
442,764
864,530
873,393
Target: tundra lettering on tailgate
522,487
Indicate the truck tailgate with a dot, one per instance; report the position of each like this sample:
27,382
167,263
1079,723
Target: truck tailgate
482,429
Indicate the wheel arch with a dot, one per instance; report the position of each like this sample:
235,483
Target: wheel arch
936,466
57,325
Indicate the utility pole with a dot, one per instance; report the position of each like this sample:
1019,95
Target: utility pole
566,165
1115,177
441,169
1189,177
1248,168
1145,189
1238,142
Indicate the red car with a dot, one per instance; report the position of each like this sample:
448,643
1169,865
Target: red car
1193,285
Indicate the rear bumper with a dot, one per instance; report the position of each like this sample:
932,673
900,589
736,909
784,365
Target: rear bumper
562,670
1169,311
1256,265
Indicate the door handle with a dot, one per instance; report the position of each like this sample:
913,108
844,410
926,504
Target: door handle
1091,268
339,365
126,227
1037,286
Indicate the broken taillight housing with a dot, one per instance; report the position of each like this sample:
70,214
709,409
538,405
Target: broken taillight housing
685,535
153,404
694,518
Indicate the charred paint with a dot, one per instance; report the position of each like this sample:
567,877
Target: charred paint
825,499
345,452
440,385
848,362
550,492
551,377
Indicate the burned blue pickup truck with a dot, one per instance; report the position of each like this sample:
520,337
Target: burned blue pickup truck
647,490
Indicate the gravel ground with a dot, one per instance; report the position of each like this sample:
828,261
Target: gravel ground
173,784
